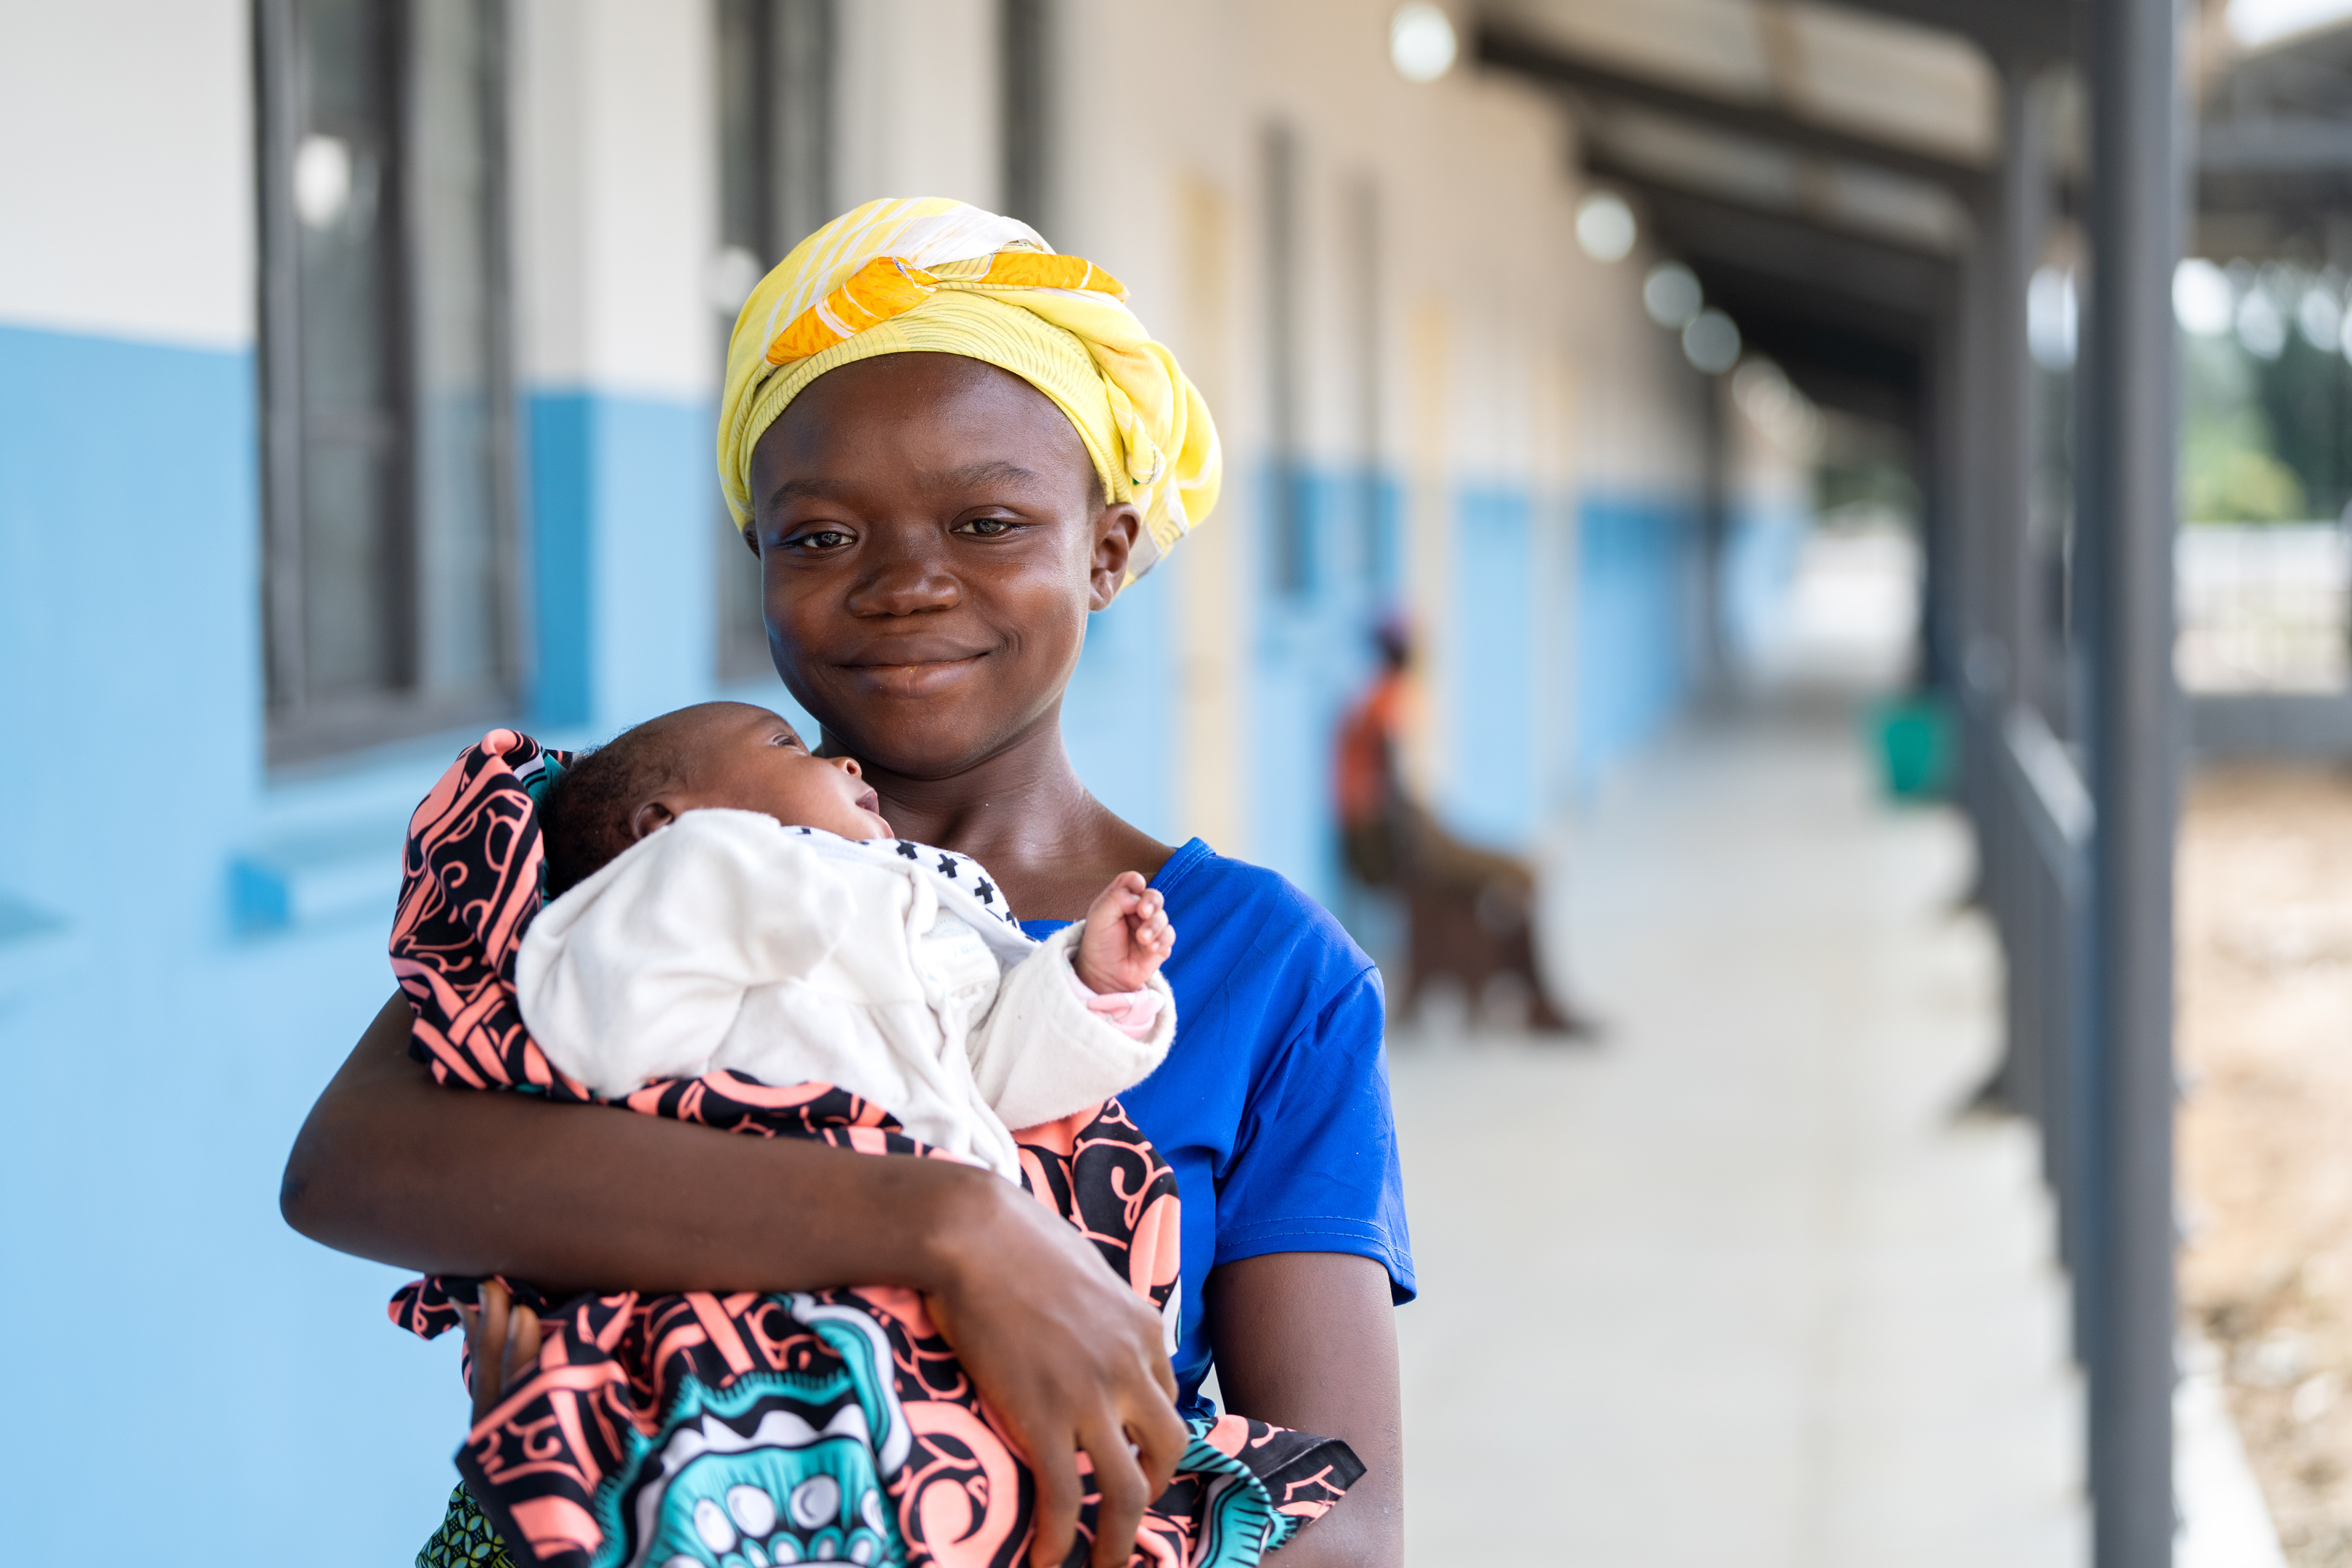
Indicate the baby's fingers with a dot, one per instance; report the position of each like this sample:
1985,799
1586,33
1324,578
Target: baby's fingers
522,1351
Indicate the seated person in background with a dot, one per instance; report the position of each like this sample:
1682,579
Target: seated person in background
1471,911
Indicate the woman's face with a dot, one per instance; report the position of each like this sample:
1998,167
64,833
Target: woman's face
930,540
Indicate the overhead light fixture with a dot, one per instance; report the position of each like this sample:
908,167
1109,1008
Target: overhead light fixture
2053,316
1711,342
2202,301
1421,42
1605,229
1670,294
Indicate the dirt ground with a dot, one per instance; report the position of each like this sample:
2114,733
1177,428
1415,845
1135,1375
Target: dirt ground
2265,1034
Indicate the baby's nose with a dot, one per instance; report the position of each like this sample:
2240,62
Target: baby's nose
849,766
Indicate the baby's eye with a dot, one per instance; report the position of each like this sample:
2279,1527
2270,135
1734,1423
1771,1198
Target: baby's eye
988,527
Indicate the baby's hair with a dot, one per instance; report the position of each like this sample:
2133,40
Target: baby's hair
584,820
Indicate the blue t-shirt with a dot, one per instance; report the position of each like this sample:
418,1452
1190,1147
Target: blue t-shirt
1273,1105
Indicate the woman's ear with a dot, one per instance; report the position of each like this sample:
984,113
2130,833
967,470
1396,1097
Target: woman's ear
1117,528
649,817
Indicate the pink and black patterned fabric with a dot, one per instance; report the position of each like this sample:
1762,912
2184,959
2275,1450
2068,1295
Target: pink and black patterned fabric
744,1429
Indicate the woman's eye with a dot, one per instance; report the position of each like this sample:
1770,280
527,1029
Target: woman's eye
819,539
988,527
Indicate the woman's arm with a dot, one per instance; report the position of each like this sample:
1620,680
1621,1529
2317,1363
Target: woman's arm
1307,1339
393,1167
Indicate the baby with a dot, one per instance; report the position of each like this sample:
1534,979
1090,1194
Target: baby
712,907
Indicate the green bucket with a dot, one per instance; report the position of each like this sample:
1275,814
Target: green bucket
1914,740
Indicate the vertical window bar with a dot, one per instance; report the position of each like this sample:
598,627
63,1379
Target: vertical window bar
1364,268
776,181
1280,154
1024,42
800,127
276,67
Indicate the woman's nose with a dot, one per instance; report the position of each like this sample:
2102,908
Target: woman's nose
903,577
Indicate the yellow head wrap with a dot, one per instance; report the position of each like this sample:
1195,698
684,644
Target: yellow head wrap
933,276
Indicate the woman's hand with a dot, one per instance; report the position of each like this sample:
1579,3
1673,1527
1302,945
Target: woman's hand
392,1167
1070,1361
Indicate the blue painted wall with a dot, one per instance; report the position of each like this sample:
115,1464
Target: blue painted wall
1637,567
175,1340
1312,652
623,490
1491,788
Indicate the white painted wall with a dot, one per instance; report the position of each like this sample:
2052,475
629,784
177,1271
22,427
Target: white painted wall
916,101
126,168
616,189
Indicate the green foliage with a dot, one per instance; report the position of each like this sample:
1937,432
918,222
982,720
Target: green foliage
2229,473
2265,439
1872,479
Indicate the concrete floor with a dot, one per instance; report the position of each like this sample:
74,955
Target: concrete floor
1736,1287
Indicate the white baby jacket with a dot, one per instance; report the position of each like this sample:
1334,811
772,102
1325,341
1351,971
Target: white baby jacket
891,970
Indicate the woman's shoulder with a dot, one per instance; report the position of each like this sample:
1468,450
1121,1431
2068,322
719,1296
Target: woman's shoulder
1247,929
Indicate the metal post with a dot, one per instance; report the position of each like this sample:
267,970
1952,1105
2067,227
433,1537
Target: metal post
2009,612
2015,608
2127,521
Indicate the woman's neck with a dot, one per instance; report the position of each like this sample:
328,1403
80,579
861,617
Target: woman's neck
1025,814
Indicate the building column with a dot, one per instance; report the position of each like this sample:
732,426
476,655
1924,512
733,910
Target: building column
2126,519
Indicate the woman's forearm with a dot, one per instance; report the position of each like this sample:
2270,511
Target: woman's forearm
1307,1339
392,1166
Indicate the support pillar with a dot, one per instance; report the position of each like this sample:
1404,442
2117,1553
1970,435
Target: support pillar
2126,519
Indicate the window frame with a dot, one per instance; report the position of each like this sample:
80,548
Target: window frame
782,175
302,725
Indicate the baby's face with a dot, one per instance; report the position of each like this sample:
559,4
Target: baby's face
752,759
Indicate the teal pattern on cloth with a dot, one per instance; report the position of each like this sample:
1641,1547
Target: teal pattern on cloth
1241,1524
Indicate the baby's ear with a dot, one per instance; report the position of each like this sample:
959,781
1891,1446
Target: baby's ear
648,817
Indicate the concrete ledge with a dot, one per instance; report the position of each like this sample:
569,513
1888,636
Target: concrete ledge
37,949
2224,1523
2311,724
317,879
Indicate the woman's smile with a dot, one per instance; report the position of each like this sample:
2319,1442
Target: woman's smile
923,678
918,666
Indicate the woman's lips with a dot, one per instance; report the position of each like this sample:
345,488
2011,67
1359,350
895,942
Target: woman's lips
914,677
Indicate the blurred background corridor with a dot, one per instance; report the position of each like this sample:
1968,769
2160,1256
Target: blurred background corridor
1852,474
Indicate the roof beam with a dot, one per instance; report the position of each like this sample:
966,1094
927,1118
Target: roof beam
2273,145
2017,31
1870,272
1607,163
1510,50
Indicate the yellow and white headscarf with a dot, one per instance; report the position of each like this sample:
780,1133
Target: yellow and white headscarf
934,276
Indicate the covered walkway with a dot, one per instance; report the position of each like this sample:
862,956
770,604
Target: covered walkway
1790,1310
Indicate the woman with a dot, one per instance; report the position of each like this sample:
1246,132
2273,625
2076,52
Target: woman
947,448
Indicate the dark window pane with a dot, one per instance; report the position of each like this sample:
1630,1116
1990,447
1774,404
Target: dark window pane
461,630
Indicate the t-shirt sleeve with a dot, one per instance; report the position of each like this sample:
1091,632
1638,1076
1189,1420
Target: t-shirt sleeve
1315,1166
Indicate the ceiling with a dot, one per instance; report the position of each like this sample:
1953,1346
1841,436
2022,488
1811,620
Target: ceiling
1820,166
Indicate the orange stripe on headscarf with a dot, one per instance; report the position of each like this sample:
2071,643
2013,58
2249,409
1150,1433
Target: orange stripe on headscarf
890,286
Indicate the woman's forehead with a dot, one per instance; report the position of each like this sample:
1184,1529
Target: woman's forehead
950,416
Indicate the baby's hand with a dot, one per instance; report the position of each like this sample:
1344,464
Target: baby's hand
1126,938
503,1339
